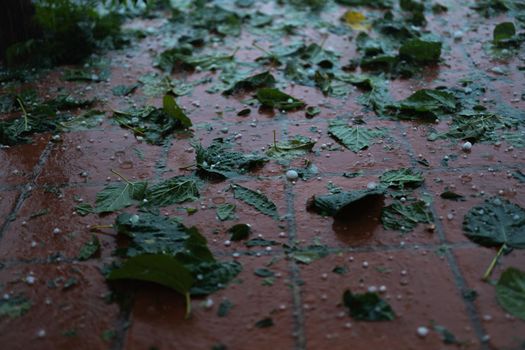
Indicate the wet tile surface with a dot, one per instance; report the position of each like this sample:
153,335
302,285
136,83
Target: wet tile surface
302,262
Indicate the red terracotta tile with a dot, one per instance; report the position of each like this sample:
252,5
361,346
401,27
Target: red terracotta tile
471,185
439,152
74,317
19,161
419,287
97,153
158,314
7,202
503,330
335,158
46,211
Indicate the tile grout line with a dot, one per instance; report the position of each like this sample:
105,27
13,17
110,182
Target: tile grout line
295,273
26,189
459,279
298,316
275,252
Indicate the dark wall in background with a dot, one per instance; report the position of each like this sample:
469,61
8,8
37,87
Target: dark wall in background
16,23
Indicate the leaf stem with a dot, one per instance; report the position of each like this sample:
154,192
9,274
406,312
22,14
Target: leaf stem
121,176
493,263
26,121
188,305
187,167
99,227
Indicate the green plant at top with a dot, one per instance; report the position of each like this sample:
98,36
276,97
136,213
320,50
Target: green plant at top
71,30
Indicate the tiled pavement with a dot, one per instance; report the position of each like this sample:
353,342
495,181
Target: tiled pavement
427,274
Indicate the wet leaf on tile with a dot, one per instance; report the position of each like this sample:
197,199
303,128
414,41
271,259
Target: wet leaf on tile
256,200
226,211
264,323
119,196
178,189
355,137
14,307
367,307
402,178
218,160
496,222
296,147
261,80
89,249
510,292
275,98
239,232
224,308
334,204
405,217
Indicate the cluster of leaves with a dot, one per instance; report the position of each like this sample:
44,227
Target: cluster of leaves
37,117
163,251
154,124
71,30
401,215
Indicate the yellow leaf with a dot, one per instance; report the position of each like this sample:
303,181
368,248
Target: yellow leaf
356,20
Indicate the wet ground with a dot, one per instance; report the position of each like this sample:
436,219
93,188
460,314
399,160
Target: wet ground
430,276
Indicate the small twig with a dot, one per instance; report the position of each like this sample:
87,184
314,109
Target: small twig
274,140
493,263
121,176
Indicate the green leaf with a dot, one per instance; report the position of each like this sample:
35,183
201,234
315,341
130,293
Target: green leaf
256,200
264,272
84,209
405,217
420,51
178,189
172,109
157,234
367,307
335,204
239,232
219,161
162,269
14,307
519,175
425,104
124,90
453,196
496,222
211,277
89,249
504,31
260,242
356,137
224,308
261,80
510,292
275,98
264,323
446,336
122,195
296,147
402,178
226,211
308,254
